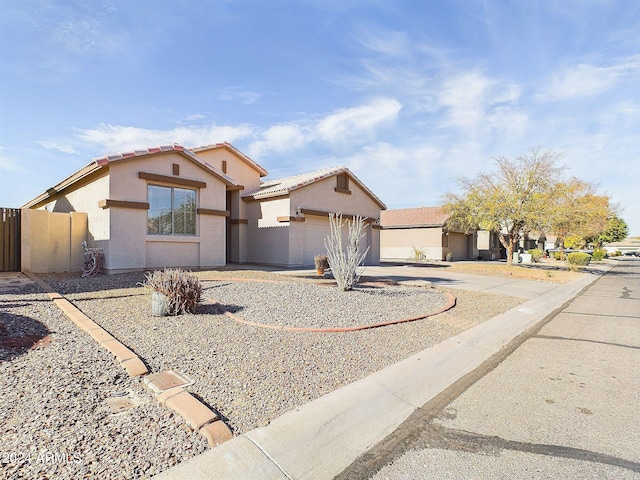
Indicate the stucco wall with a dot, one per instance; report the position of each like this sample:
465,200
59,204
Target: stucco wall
397,244
52,242
461,246
268,239
296,243
240,171
322,196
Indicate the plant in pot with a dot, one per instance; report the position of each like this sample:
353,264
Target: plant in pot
322,263
173,292
449,257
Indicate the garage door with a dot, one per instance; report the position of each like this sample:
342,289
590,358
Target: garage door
316,229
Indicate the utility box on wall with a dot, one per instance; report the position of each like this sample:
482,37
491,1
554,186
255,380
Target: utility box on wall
52,242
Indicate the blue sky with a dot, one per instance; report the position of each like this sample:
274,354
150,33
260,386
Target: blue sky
408,94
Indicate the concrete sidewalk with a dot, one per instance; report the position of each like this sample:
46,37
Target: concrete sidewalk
321,438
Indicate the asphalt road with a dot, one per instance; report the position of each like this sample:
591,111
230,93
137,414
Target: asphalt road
562,402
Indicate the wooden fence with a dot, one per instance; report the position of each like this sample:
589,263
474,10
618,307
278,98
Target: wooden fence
10,239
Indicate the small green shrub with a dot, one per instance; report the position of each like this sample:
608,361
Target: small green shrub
557,255
536,255
579,259
617,253
598,255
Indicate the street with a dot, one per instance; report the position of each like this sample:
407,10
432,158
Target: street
561,402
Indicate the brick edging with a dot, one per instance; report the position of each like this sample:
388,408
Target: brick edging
199,417
451,302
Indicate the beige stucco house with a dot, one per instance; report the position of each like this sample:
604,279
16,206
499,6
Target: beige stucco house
289,217
207,206
424,230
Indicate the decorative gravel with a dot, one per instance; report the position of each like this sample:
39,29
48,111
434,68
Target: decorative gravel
54,418
303,305
53,398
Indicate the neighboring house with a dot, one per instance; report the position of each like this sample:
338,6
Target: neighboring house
423,230
204,207
289,217
627,245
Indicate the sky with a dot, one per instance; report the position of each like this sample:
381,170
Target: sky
409,94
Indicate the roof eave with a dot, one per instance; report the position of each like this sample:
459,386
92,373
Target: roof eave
66,183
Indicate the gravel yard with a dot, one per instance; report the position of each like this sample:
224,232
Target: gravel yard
54,418
55,395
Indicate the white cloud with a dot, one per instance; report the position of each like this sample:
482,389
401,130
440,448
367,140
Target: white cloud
9,164
195,116
465,96
385,42
62,147
350,124
114,138
585,80
237,94
278,138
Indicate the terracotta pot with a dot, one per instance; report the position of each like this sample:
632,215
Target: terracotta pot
320,271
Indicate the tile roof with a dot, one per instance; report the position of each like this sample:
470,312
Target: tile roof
228,146
284,186
100,162
106,159
413,217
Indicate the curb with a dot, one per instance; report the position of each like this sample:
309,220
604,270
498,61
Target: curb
199,417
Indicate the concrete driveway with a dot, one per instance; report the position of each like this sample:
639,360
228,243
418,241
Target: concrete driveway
564,404
442,277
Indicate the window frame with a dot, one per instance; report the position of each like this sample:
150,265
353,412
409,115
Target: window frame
173,210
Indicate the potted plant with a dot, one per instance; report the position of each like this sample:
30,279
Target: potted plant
449,257
322,263
173,291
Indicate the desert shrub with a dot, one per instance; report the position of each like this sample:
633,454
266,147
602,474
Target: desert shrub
617,253
536,255
345,263
598,255
557,255
418,254
321,261
183,290
579,259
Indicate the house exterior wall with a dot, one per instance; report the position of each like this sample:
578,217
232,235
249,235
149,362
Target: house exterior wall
268,239
308,239
461,246
322,196
399,243
295,243
242,174
488,245
130,247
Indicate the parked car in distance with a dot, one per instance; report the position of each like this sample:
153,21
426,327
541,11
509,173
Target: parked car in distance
634,253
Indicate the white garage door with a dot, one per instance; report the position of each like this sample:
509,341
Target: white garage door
316,229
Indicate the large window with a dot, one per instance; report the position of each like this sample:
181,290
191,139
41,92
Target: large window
172,211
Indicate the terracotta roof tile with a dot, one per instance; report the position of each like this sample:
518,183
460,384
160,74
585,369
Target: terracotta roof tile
413,217
283,186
